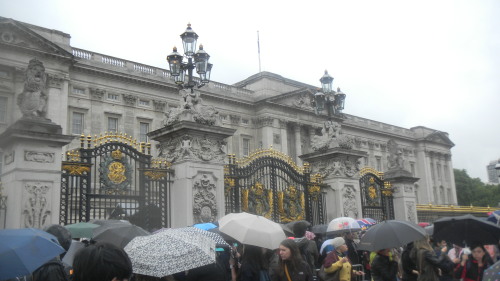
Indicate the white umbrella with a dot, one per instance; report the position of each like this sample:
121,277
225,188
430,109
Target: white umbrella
252,230
343,225
170,251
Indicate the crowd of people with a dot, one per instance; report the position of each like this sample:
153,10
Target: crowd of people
303,257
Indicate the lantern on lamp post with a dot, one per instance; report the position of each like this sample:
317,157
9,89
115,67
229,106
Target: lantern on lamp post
329,99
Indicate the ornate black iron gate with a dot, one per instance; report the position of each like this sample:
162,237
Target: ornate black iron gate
114,177
376,195
270,184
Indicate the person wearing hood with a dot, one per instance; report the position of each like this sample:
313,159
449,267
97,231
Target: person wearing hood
307,247
338,261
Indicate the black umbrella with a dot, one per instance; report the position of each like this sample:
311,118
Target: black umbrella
390,234
319,229
466,229
118,234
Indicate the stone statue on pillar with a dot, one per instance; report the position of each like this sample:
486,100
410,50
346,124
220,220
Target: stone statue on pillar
331,137
193,109
395,159
33,100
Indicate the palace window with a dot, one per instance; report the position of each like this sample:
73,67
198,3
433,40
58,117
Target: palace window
432,171
3,109
246,147
112,124
78,91
77,123
412,168
113,96
245,121
379,163
143,102
439,171
143,131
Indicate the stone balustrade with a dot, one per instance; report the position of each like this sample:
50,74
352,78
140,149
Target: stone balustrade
125,65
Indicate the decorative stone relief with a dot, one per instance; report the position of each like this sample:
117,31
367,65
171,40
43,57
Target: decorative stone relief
192,103
235,119
204,200
410,211
55,81
159,105
40,157
9,157
331,137
264,122
395,158
129,99
349,201
36,206
283,123
33,100
187,147
97,94
276,138
302,101
408,188
344,166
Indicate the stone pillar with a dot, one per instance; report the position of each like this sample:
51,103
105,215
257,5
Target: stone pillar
339,168
197,153
284,136
405,202
31,173
298,143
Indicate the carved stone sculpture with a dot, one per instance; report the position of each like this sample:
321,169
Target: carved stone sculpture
349,201
188,147
33,100
193,104
395,157
331,137
204,202
36,208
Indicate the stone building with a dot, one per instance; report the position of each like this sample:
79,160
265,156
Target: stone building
90,93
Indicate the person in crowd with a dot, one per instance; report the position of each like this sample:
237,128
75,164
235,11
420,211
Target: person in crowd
291,265
429,265
455,253
383,268
336,260
253,264
102,262
352,248
473,265
308,248
409,268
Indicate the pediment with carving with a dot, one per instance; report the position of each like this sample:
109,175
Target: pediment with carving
16,34
301,99
439,137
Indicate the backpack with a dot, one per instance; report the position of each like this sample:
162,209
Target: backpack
306,256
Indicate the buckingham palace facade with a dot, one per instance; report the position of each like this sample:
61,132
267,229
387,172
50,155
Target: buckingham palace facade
92,94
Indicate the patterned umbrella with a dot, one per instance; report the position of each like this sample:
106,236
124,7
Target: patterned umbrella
343,225
492,273
366,223
170,251
218,239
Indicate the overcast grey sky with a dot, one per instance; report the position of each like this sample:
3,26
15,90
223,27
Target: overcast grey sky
407,63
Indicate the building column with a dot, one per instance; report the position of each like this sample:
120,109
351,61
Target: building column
284,136
298,143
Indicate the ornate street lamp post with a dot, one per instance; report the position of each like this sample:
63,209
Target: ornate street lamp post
328,98
195,60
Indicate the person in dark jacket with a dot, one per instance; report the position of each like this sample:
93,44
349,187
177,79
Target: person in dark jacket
307,247
252,263
429,265
291,265
382,268
352,248
410,272
473,265
102,262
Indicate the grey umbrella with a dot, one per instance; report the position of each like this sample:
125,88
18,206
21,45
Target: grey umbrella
390,234
118,234
218,239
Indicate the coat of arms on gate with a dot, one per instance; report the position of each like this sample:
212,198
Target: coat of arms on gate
258,200
114,173
291,204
